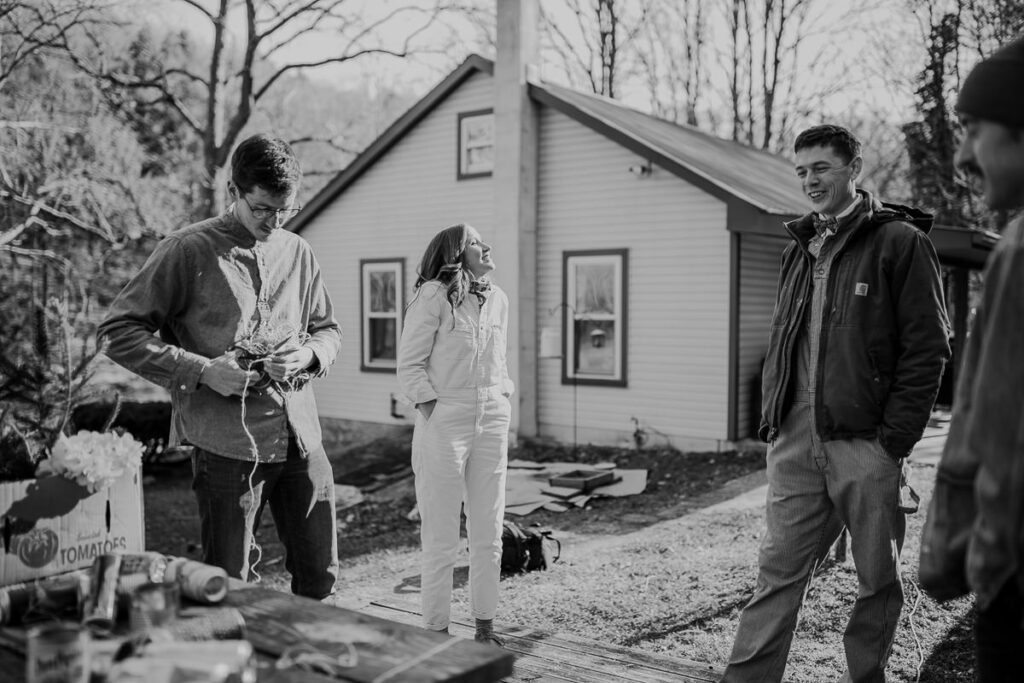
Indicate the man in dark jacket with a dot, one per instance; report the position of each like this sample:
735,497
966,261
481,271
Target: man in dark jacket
857,345
985,447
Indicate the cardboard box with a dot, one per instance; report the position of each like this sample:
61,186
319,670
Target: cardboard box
53,525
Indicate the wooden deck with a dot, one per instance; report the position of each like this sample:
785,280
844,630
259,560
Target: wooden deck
543,657
384,649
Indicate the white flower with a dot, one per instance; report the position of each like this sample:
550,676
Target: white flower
93,460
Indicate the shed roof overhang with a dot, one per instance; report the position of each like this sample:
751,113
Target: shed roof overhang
958,247
964,247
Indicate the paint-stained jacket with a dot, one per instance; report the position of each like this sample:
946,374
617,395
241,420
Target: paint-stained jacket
883,340
204,289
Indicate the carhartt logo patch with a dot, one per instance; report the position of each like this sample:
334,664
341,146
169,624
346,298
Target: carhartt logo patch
861,289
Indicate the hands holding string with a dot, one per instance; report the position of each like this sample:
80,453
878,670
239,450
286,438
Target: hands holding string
227,377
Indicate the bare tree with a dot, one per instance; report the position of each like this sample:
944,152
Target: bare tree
597,46
764,41
958,34
28,27
782,22
736,17
671,56
239,70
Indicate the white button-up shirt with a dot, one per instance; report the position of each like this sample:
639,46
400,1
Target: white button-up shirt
442,353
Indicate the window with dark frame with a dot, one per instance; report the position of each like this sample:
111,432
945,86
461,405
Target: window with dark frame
476,144
594,289
381,288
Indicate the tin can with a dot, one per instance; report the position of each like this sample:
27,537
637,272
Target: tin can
57,653
101,607
58,596
153,564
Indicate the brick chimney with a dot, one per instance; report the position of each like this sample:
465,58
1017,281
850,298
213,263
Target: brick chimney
515,197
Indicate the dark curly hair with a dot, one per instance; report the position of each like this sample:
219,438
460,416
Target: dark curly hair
838,138
266,161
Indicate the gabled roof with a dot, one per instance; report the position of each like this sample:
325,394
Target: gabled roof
394,133
724,168
731,171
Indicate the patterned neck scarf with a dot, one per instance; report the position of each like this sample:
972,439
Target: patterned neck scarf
481,288
823,224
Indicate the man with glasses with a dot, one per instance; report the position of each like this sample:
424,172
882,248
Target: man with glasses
855,354
232,317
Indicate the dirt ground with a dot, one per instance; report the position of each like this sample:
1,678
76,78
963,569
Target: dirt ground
666,571
380,523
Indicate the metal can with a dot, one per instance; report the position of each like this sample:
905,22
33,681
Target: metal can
100,611
153,564
53,597
57,653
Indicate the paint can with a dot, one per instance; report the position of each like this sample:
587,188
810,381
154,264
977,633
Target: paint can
100,613
57,653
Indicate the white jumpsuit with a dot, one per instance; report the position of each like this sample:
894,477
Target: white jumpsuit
460,453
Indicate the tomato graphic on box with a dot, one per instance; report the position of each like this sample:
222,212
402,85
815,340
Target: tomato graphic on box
37,548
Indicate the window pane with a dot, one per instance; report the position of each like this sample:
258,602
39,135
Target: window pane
595,347
595,288
383,340
382,292
479,159
479,130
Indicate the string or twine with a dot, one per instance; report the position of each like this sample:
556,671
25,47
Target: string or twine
290,384
254,451
913,629
391,673
309,658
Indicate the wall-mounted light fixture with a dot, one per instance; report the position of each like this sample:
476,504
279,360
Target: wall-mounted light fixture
641,170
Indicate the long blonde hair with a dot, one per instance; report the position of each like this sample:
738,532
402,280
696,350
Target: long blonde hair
443,262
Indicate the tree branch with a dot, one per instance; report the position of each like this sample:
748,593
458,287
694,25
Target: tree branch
330,141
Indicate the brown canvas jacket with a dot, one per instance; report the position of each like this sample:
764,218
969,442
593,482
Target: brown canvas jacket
884,335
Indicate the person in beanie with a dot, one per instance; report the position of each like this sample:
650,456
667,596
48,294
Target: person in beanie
858,341
452,368
986,437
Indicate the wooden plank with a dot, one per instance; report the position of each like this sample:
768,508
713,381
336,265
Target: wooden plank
567,656
523,671
537,661
386,650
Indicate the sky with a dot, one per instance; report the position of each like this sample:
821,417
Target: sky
841,49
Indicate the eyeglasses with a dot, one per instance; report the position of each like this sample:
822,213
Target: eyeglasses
261,214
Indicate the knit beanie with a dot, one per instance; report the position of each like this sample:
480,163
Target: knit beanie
994,90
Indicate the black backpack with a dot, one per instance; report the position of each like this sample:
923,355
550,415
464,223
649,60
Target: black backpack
524,549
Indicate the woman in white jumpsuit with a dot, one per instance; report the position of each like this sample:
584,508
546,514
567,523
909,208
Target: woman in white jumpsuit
451,366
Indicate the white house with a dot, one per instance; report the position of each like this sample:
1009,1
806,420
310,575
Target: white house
640,255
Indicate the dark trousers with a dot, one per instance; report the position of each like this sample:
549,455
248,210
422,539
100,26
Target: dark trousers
999,637
300,491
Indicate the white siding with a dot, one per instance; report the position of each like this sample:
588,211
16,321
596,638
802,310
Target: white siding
759,276
678,291
392,211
